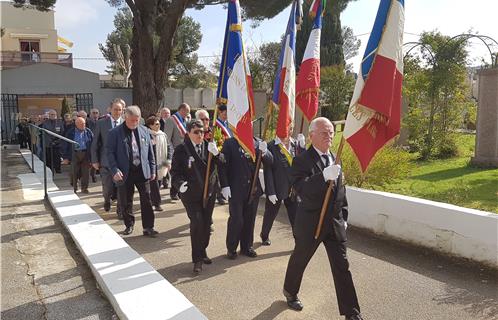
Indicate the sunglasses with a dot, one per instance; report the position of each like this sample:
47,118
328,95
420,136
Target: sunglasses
198,131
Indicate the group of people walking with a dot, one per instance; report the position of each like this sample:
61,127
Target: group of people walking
131,155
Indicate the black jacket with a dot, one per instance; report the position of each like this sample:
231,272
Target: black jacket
188,166
308,182
237,170
278,170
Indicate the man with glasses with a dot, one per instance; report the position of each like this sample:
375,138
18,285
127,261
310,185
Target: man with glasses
188,173
312,171
52,147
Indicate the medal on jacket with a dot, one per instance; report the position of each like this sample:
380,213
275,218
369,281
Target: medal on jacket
190,161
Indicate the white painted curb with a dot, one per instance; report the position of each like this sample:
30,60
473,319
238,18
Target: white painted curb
447,228
134,288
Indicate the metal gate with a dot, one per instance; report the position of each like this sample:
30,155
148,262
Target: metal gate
9,118
84,101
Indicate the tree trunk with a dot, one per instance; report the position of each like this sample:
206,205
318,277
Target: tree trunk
150,65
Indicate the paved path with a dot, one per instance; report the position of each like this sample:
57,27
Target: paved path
393,280
43,275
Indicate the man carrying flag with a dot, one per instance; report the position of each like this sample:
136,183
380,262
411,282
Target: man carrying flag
283,148
238,154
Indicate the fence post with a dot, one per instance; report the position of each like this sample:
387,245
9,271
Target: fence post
73,173
44,164
32,149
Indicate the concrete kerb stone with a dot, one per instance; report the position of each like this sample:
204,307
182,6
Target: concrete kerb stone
134,288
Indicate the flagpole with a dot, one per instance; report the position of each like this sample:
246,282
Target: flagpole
329,194
215,115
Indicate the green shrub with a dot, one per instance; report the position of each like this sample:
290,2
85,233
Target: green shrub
448,148
389,164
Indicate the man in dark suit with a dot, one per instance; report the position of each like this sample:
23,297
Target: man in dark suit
236,175
131,161
52,147
188,173
175,128
98,153
79,156
278,184
311,173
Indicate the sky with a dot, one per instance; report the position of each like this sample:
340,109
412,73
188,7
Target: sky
87,23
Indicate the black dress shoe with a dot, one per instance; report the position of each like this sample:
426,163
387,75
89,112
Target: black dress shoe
293,301
250,253
85,191
158,208
232,255
198,267
107,206
128,230
150,232
94,179
175,197
206,260
354,317
265,241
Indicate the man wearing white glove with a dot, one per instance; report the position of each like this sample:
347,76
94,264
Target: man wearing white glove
236,172
301,140
278,182
188,172
312,171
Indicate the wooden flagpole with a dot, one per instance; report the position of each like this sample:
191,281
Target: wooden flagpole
329,194
208,168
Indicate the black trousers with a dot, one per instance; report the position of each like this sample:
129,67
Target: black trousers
125,199
271,211
80,169
155,195
241,225
336,251
53,155
200,222
108,186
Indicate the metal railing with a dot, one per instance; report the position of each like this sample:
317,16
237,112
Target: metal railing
13,59
44,132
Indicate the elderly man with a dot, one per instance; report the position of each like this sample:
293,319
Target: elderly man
92,120
175,128
80,156
52,147
164,114
99,156
131,160
311,173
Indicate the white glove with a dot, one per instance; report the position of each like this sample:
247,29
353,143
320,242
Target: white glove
345,225
263,146
226,193
213,148
272,198
301,140
331,172
183,187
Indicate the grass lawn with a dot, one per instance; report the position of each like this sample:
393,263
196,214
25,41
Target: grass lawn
452,180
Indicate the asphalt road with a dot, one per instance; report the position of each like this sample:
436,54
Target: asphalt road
43,274
393,280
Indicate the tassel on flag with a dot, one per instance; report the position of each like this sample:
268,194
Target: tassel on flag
284,90
374,114
308,79
234,83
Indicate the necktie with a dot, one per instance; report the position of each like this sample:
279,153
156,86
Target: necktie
327,160
115,123
199,150
134,149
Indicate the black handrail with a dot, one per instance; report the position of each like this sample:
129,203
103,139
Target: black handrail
45,131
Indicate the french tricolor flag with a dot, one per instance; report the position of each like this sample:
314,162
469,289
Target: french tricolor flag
234,82
308,80
374,113
284,90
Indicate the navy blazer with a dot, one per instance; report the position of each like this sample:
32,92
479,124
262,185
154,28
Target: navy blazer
66,146
236,170
278,171
118,151
307,180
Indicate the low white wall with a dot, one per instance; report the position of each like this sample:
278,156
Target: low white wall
450,229
134,288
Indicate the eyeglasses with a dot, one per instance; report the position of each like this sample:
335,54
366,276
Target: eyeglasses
155,124
198,131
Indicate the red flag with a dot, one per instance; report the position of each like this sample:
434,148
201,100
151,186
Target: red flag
374,115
